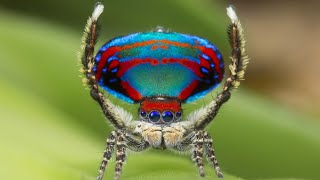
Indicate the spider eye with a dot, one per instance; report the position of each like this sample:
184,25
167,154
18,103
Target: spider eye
167,116
178,114
143,114
154,116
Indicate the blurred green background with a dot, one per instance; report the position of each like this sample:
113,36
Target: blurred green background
51,129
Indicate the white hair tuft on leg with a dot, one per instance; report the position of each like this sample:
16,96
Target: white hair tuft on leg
98,9
232,14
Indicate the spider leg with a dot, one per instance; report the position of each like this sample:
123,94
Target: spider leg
200,140
209,151
120,154
121,140
111,141
186,143
116,115
199,119
197,152
136,145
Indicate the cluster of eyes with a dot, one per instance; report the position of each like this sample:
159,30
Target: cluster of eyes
156,116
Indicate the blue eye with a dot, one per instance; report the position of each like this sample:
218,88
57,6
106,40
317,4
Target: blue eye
178,114
154,116
143,114
167,116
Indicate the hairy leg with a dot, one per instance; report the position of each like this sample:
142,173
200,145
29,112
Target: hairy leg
116,115
86,56
120,154
111,141
199,119
136,144
185,144
209,151
197,152
121,140
195,141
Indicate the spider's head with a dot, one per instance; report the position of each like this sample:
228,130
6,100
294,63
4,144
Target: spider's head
160,110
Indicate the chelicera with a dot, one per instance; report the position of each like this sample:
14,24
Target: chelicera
161,71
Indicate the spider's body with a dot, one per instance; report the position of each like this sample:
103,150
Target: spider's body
160,70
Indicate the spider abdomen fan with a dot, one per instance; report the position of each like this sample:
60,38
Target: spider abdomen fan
158,63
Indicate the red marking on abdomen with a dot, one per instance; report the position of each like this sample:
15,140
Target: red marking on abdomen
193,66
113,64
205,63
188,90
216,62
154,47
104,57
124,66
133,93
164,47
154,62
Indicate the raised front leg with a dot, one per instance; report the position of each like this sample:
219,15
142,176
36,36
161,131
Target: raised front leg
199,119
115,114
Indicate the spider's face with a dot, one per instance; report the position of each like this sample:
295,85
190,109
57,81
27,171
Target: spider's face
160,110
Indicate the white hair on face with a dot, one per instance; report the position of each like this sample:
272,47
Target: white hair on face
97,11
232,14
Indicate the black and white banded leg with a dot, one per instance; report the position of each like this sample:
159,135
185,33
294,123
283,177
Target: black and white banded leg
116,115
111,142
120,154
197,152
209,151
